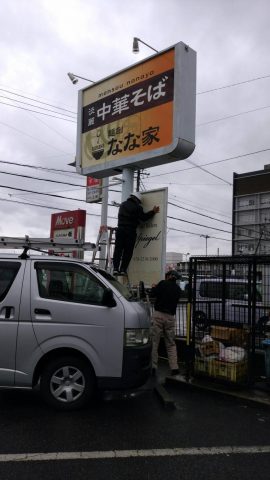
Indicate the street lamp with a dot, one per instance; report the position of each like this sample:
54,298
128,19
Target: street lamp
206,238
135,47
74,78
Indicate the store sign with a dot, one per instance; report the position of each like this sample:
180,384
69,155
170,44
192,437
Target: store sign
149,257
93,189
140,117
68,225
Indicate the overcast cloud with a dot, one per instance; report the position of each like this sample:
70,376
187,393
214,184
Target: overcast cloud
42,40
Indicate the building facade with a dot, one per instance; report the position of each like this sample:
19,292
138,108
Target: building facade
251,213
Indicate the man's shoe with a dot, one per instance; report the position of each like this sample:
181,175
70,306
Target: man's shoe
123,273
116,272
175,371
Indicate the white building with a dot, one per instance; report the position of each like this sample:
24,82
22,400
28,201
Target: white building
251,212
172,258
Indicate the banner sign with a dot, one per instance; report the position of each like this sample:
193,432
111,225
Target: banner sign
149,257
93,189
140,117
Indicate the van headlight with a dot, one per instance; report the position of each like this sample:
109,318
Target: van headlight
136,336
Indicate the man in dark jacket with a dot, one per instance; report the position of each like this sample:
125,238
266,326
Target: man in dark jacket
129,216
166,294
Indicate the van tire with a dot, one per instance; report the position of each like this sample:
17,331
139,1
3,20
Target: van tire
67,383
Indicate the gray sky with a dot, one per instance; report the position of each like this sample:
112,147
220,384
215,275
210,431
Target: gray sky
42,40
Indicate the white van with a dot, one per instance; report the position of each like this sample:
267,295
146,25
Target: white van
216,301
70,328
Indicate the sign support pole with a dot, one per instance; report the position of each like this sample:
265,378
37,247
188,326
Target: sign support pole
103,223
128,179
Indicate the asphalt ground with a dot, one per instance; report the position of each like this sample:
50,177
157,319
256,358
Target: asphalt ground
205,435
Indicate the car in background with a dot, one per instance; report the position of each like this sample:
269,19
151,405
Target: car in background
216,302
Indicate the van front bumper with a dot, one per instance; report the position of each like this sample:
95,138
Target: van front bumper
136,369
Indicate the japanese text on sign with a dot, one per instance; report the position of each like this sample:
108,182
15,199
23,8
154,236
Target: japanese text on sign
135,99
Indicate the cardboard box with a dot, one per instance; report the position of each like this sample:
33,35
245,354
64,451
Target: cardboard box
209,348
234,336
239,337
233,372
221,333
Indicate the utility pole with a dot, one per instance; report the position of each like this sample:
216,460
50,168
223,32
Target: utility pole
206,238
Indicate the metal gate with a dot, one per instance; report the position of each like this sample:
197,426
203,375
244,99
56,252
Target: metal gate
230,305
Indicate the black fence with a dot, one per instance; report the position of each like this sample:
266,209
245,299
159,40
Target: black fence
229,319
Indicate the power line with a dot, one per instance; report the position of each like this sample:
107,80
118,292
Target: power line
43,179
198,234
233,84
198,224
35,106
83,186
198,213
41,193
214,162
209,173
46,206
40,113
232,116
37,101
34,138
38,167
176,198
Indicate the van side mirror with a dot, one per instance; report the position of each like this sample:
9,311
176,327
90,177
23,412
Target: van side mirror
108,298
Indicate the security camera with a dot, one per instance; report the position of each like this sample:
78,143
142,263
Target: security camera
72,78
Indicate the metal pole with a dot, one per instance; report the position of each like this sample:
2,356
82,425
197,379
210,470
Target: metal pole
103,223
128,180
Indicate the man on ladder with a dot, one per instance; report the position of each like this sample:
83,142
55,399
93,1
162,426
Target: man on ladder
129,216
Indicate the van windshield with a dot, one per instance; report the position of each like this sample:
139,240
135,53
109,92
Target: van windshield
123,289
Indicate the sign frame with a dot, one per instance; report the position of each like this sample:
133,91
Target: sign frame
183,111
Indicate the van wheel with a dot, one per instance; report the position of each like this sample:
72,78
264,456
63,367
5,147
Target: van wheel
200,320
67,383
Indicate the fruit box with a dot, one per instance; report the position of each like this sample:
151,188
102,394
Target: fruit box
233,372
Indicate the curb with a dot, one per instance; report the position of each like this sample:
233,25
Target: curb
255,395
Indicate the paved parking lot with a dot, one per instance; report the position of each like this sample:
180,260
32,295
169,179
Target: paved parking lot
206,436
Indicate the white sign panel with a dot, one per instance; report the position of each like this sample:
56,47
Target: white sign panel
149,256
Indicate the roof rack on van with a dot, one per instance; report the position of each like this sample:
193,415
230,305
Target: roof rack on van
41,244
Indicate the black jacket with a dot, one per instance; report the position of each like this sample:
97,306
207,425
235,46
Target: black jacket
166,294
131,214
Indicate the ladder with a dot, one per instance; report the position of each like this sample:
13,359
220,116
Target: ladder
41,244
105,245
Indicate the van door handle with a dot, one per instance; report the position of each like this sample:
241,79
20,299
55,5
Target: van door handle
42,311
9,312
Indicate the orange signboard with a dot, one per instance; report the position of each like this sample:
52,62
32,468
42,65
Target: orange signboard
128,117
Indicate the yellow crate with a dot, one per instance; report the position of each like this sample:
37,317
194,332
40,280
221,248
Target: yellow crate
233,372
201,365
